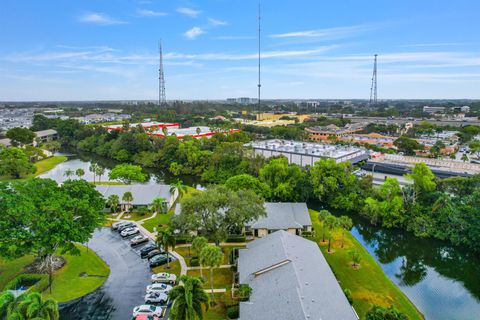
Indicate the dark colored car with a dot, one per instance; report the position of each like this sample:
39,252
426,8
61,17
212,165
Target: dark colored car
159,260
154,253
147,249
125,226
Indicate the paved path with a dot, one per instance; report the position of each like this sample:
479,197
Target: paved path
216,290
223,266
183,264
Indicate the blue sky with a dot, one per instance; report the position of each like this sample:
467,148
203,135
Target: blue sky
99,49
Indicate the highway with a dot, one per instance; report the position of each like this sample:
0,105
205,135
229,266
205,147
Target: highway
455,123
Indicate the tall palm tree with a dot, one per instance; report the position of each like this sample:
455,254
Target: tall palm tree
197,245
322,215
113,201
179,187
34,307
128,198
80,172
211,256
331,222
188,298
8,304
100,171
68,173
159,205
93,168
166,239
346,224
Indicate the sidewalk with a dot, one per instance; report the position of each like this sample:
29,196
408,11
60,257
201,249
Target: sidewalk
223,266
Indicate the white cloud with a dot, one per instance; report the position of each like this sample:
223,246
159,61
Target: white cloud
194,32
328,33
100,19
189,12
216,22
150,13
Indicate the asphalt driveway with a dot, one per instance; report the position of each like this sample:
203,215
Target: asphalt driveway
122,291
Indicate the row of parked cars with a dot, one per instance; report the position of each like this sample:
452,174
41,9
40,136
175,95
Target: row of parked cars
156,296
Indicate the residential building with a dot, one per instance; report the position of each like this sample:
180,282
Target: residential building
307,153
270,116
290,279
433,109
288,216
143,194
46,135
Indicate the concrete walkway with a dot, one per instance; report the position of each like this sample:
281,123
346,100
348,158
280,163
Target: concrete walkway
183,264
216,290
223,266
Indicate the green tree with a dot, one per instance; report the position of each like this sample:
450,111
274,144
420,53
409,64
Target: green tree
179,187
113,201
464,157
381,313
356,258
67,213
14,162
79,172
127,173
407,145
197,245
100,171
68,173
282,179
9,304
331,222
346,224
128,198
322,215
159,205
189,298
34,307
423,180
212,257
166,239
248,182
20,136
474,146
218,211
93,169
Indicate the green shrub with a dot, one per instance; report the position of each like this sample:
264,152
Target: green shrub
233,312
194,262
35,282
348,294
182,239
236,238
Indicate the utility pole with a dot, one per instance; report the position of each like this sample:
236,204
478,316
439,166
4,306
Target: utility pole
162,100
373,88
259,55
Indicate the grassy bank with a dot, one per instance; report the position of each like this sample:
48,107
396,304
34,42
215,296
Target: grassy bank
368,283
41,166
67,282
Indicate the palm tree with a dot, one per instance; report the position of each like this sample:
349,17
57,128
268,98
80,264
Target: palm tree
159,205
100,171
197,245
34,307
331,222
165,131
188,298
346,224
80,172
68,173
322,215
198,130
166,239
179,187
356,258
211,256
93,168
8,304
113,201
128,198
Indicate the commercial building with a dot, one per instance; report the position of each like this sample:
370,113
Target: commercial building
266,123
433,109
270,116
333,132
290,279
145,125
196,132
307,153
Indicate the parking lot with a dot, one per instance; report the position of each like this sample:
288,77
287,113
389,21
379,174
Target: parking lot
125,287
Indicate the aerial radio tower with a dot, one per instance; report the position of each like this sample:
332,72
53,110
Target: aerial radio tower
259,85
373,88
162,100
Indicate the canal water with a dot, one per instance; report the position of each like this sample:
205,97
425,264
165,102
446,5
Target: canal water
442,280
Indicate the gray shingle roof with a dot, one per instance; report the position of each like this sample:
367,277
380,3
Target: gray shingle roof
142,194
283,215
296,282
45,133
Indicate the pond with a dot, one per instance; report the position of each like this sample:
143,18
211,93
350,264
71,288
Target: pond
443,281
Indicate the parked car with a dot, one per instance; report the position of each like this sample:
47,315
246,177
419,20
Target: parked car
125,226
159,260
164,277
129,232
118,224
159,288
146,317
148,309
138,240
147,249
154,253
156,297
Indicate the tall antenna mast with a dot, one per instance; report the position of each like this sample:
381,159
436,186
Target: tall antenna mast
259,56
162,100
373,88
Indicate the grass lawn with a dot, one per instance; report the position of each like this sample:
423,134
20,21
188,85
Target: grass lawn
67,283
368,284
222,277
174,268
183,251
160,219
9,269
42,166
136,216
218,311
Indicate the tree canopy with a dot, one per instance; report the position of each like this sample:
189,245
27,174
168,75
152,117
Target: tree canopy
15,163
127,173
20,136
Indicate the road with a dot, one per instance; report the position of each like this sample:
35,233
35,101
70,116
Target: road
454,123
379,178
122,291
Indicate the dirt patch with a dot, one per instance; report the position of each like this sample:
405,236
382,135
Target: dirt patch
40,266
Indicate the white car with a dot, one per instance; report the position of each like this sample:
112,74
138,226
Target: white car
164,277
159,287
138,239
147,309
129,232
156,297
118,224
